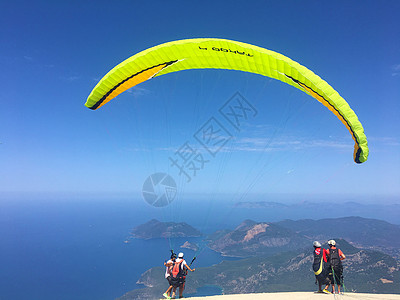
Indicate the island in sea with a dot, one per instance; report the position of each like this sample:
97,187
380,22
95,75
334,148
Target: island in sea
191,246
156,229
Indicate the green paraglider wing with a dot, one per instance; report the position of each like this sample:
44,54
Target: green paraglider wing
209,53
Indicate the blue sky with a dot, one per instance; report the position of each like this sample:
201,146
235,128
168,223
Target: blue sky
52,53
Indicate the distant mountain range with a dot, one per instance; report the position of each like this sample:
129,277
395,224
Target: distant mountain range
279,257
251,238
317,210
361,232
349,205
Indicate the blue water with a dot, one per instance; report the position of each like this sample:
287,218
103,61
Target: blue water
74,249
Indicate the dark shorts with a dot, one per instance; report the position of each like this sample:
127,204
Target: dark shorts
175,282
322,279
169,279
336,276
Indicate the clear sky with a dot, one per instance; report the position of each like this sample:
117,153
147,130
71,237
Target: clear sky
52,53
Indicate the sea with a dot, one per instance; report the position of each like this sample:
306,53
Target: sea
82,248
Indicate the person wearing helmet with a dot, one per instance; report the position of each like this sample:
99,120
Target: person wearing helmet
321,267
184,267
335,257
168,264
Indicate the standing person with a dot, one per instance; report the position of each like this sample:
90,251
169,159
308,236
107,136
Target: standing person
335,259
184,267
168,264
321,267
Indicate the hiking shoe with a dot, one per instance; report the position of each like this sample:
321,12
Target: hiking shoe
326,291
166,296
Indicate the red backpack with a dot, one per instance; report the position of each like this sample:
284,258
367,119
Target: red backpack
176,273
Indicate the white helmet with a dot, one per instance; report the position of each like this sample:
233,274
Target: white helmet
180,255
332,242
317,244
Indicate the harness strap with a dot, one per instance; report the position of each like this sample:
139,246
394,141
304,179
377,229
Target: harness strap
320,268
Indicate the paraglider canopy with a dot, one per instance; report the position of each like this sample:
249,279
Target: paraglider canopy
211,53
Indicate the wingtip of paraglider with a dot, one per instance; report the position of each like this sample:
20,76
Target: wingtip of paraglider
361,154
90,106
